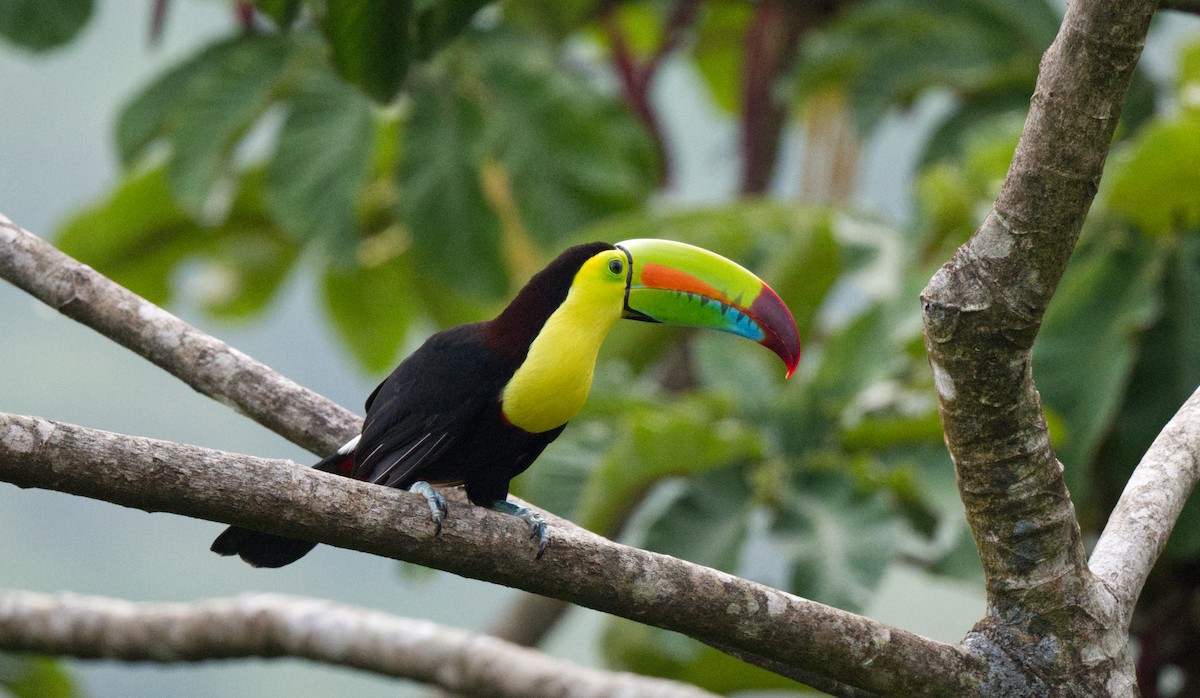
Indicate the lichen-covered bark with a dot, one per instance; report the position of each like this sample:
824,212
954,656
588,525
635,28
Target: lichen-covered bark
580,567
1050,629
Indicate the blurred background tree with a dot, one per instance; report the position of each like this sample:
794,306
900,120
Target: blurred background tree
415,160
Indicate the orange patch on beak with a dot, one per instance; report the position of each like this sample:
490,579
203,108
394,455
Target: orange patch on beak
666,278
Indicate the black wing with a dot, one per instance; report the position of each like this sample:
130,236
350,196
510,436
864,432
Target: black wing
434,398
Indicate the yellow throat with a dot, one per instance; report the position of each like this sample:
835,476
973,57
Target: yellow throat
553,382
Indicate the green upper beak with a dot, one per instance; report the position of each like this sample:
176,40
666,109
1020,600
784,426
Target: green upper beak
680,284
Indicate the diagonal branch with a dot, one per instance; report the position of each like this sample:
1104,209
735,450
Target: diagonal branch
1139,525
579,567
274,625
202,361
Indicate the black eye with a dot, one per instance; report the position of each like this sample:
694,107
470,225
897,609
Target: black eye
615,266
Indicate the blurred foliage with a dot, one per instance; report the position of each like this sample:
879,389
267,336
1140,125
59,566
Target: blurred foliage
25,676
421,158
985,53
37,25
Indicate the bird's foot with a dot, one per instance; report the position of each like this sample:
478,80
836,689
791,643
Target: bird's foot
437,505
537,525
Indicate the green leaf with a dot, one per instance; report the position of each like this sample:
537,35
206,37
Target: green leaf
1087,345
320,165
918,472
41,25
1155,180
967,179
456,233
989,111
961,561
557,19
742,373
573,154
136,237
1189,75
641,649
858,354
372,43
35,677
282,12
804,268
707,523
250,253
886,53
372,309
441,21
885,432
139,238
224,98
836,541
657,440
146,117
720,49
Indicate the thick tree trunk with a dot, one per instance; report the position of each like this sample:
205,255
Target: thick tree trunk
1051,627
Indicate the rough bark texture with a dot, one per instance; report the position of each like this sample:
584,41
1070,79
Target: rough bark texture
204,362
580,567
982,313
273,625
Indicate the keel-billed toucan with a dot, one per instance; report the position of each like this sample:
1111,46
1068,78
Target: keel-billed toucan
476,404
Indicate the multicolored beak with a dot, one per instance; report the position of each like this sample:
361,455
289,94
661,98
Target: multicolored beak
680,284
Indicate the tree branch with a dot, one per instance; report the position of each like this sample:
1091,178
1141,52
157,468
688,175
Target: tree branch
274,625
204,362
983,310
580,567
1139,525
984,307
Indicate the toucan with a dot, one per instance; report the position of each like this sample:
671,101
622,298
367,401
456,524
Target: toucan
476,404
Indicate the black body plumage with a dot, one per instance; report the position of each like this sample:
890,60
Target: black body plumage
438,417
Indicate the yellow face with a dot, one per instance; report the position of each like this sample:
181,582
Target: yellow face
553,382
603,278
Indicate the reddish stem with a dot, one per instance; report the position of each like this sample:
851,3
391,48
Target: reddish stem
158,20
637,77
245,15
771,43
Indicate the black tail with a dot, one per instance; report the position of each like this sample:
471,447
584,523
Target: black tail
267,549
261,549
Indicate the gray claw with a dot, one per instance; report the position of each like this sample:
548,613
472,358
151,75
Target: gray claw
438,509
537,525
